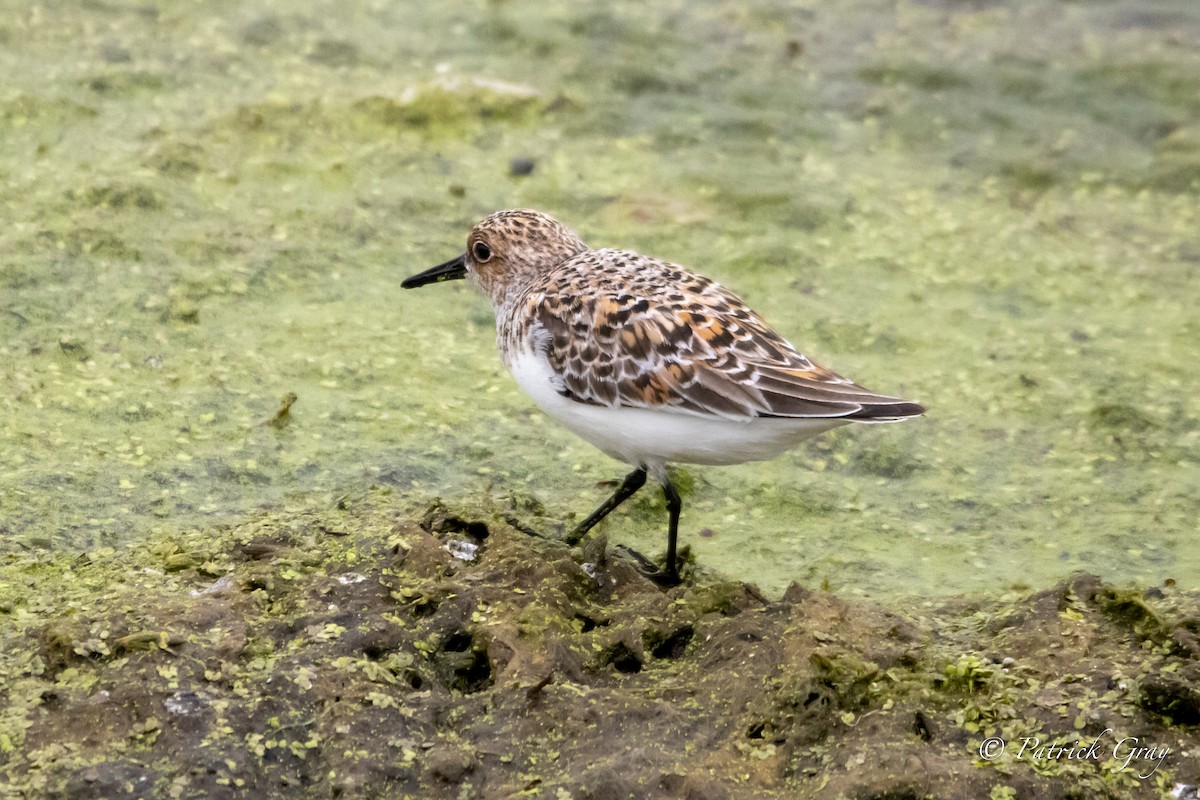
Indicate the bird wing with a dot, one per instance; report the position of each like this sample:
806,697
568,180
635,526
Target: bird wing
669,339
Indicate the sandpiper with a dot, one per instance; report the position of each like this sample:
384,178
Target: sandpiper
647,360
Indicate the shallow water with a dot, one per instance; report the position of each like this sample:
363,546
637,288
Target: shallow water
988,207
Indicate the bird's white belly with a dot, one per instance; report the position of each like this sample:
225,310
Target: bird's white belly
655,437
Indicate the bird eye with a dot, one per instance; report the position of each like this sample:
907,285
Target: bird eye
481,252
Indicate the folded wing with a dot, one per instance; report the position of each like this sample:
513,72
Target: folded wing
647,344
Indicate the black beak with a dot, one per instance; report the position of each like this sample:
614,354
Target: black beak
453,270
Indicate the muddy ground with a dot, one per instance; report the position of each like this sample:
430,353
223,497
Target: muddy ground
373,651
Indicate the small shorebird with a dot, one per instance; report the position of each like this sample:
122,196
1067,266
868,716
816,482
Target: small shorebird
646,360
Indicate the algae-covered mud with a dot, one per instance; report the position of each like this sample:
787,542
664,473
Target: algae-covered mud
233,453
363,653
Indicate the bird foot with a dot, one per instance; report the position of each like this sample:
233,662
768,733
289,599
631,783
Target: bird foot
666,578
528,531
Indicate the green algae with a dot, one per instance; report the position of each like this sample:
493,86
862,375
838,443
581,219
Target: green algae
343,648
990,208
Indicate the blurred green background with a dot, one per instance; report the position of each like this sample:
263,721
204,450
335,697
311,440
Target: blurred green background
991,207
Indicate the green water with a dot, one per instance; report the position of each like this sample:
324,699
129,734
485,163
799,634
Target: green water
989,207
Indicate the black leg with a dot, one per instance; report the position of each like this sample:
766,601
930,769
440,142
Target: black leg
633,481
674,506
668,576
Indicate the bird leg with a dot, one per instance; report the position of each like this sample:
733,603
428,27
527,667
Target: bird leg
633,481
669,575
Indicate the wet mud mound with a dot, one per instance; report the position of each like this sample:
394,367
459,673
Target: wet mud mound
366,653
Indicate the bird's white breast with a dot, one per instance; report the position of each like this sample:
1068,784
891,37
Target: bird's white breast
652,437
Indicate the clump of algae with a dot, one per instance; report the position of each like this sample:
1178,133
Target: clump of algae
368,649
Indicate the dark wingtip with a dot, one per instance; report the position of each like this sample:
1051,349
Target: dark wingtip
888,412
